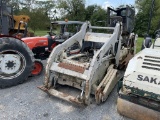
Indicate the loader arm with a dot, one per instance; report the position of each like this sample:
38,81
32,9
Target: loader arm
115,38
108,46
60,48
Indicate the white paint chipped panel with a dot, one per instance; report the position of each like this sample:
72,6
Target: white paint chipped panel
97,37
146,82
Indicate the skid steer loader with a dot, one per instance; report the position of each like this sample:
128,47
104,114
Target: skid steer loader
139,90
94,68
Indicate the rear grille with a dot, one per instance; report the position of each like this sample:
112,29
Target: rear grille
151,62
152,57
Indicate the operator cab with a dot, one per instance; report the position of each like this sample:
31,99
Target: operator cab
93,41
63,30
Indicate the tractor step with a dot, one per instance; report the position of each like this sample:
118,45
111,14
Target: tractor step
135,111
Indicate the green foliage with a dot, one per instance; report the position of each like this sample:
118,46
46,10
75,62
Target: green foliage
139,44
41,12
99,17
41,32
72,9
37,11
38,20
96,15
90,11
75,10
142,17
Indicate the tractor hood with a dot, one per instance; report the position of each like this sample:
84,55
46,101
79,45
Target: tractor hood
143,73
40,41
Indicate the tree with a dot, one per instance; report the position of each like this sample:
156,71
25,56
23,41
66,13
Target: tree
45,6
142,17
96,15
15,5
72,9
38,12
28,4
39,20
89,11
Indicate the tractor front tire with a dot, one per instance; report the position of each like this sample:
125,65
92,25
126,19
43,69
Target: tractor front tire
38,68
16,62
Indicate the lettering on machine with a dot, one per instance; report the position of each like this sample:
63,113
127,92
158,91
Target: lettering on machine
148,79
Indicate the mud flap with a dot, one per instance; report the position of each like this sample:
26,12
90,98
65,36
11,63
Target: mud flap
135,111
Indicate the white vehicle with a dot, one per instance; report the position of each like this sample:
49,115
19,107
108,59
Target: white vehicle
139,91
90,59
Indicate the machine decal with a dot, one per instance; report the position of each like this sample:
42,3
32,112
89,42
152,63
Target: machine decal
148,79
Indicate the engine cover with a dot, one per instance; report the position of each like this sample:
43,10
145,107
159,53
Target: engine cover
142,76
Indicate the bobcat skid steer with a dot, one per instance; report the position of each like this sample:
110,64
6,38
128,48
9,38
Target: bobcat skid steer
139,90
92,69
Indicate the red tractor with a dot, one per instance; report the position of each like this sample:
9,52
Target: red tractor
18,57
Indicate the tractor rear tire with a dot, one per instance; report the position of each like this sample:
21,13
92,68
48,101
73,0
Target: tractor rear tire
16,62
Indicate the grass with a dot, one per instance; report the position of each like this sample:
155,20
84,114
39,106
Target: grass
41,32
139,44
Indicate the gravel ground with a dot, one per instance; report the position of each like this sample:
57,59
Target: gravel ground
27,102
